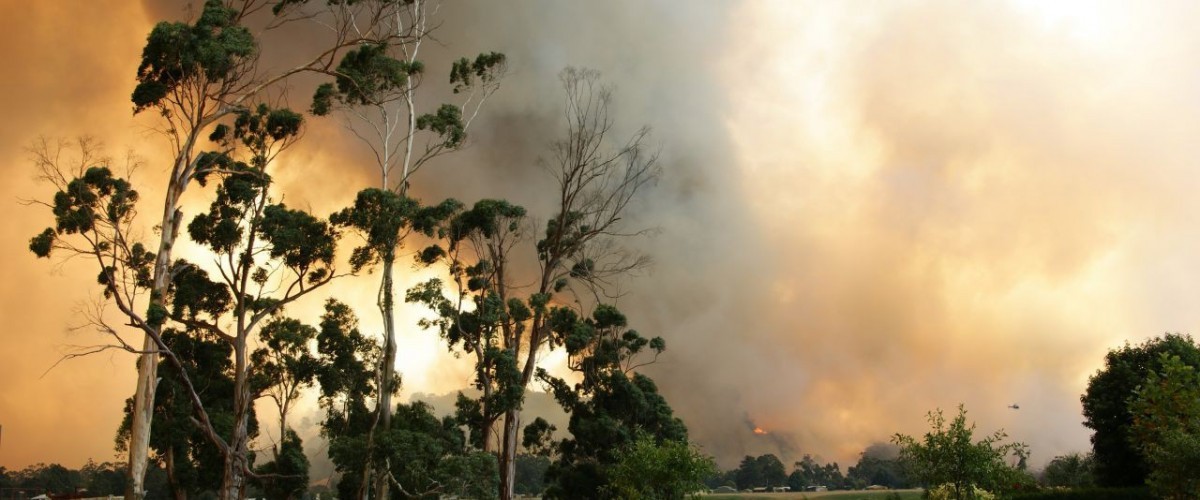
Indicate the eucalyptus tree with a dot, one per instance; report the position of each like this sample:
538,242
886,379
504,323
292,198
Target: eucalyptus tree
490,314
266,255
285,363
376,87
194,75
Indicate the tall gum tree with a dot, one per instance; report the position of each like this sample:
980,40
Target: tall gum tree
579,260
194,75
376,87
265,254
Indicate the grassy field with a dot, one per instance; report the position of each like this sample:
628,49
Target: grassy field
832,495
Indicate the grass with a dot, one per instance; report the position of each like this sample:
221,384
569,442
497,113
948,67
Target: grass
832,495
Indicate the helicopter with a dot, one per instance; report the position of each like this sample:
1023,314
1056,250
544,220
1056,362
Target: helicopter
1015,406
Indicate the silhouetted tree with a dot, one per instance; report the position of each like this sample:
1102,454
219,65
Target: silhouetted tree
609,406
577,255
376,85
285,364
192,463
286,477
810,473
196,76
1118,462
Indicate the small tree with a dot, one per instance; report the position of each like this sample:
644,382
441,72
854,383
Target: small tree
947,455
648,470
285,364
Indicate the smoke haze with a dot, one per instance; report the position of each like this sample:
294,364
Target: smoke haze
868,210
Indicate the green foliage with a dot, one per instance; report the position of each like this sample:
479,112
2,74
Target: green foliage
194,294
52,478
284,364
287,476
347,382
224,226
764,470
538,436
94,201
948,455
1106,410
878,465
383,218
609,406
447,122
427,457
531,474
1073,470
480,330
195,463
649,470
105,478
1166,427
304,243
178,54
810,473
368,73
486,68
951,491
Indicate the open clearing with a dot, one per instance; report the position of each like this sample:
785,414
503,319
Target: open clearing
839,495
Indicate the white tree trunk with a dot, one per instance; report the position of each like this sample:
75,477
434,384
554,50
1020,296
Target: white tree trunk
140,420
387,307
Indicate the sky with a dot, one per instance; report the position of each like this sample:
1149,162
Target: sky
868,210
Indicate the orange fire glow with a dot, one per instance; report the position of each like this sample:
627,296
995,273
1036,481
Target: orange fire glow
759,431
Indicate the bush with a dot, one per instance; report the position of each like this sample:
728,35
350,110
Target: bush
949,491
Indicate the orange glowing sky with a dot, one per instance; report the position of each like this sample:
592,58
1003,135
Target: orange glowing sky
869,209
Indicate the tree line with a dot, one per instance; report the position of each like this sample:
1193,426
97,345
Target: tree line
1143,406
214,336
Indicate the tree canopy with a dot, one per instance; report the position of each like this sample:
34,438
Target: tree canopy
949,456
1106,410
